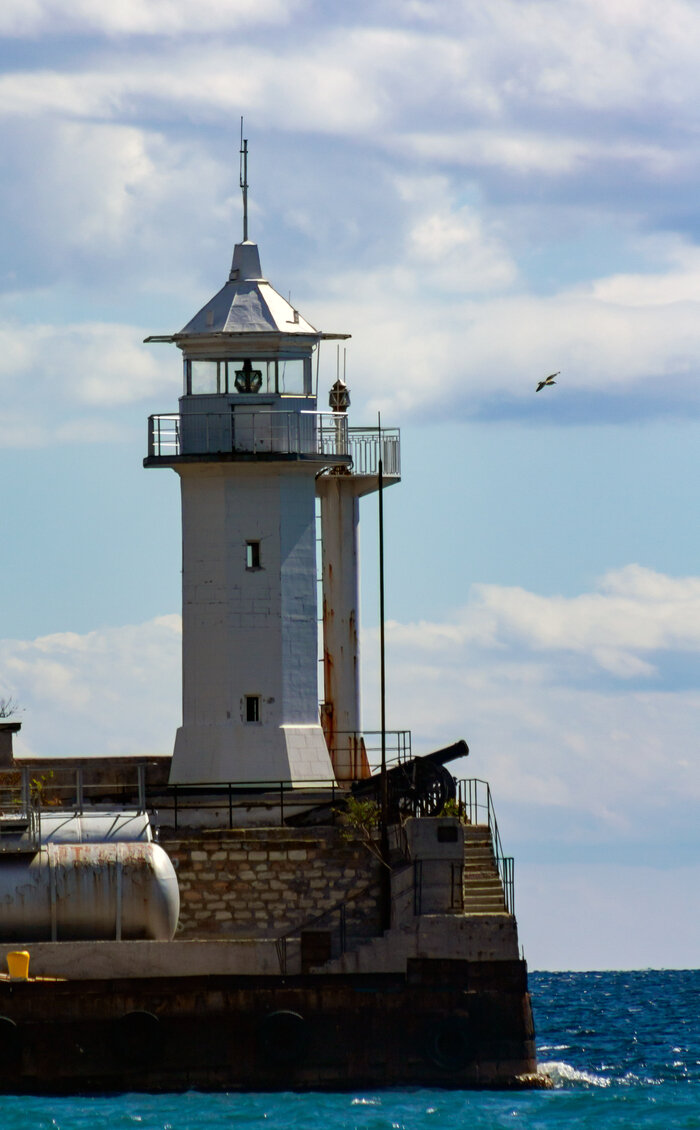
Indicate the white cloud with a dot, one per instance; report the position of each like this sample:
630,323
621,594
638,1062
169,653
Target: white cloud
132,17
529,72
450,246
112,218
679,283
443,298
332,96
549,730
111,691
551,152
635,610
59,383
608,339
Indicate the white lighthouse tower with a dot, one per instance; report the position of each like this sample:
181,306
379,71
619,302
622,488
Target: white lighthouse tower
252,452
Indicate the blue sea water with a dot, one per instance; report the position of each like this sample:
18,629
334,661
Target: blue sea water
623,1050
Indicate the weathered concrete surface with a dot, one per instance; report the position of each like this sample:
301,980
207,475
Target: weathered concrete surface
445,1024
479,937
95,961
249,633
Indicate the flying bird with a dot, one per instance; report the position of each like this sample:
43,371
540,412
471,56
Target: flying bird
548,381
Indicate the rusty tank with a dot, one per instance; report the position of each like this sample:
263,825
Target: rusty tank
73,892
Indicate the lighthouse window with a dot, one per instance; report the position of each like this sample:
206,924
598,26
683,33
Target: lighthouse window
291,376
252,555
252,708
204,377
286,376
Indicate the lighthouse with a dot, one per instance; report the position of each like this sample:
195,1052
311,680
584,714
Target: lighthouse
253,452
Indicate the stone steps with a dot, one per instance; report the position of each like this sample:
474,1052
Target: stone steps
482,890
483,899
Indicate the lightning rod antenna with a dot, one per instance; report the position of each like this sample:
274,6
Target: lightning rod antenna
243,180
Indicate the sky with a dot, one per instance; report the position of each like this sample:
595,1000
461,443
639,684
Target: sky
481,194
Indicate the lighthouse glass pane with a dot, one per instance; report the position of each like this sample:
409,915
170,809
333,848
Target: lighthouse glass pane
204,377
288,376
291,376
264,383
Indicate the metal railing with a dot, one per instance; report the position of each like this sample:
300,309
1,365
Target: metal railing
271,431
226,797
164,435
68,788
474,800
365,445
20,818
248,430
397,745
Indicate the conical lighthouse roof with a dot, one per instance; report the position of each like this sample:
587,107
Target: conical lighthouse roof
247,303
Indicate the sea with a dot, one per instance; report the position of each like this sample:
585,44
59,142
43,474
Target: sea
622,1050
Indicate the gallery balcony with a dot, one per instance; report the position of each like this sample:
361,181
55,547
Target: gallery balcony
263,434
247,434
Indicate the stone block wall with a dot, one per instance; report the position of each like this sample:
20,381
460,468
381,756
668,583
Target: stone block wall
265,882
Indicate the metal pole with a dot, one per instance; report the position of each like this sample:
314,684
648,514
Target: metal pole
141,770
384,829
243,178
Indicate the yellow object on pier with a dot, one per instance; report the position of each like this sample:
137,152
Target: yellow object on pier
18,964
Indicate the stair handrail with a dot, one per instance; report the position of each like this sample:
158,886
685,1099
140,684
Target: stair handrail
469,791
340,904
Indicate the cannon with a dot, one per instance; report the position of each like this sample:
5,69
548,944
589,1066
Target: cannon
420,786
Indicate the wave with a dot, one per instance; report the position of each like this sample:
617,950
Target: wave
564,1075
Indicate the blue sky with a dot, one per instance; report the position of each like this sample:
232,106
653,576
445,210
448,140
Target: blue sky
479,194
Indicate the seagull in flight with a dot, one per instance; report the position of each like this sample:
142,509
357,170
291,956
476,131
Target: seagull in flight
548,380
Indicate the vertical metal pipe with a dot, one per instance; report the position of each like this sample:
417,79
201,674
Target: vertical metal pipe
384,830
119,885
141,770
26,790
52,892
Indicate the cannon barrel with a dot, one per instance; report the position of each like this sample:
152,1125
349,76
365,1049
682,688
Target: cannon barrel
449,753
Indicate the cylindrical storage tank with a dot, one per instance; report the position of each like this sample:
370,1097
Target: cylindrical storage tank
88,892
95,827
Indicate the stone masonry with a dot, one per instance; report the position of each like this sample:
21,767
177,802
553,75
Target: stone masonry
265,882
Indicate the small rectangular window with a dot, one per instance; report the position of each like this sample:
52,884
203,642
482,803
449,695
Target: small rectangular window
252,708
252,555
